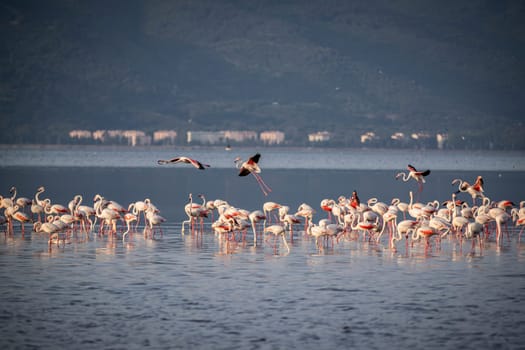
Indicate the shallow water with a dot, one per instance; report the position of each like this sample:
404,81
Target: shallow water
181,291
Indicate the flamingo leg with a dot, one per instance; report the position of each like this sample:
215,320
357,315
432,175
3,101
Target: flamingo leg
264,188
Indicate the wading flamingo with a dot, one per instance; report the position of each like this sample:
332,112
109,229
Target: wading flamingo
255,217
475,190
277,231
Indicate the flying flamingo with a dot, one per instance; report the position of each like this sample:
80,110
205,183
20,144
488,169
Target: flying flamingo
251,166
413,173
186,160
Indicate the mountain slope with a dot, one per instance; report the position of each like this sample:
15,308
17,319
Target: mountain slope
326,65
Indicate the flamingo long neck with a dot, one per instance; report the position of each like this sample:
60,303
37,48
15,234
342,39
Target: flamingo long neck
405,176
13,191
37,195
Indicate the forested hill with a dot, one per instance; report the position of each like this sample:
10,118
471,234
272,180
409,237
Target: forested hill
296,66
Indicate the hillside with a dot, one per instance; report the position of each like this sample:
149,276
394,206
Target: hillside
297,66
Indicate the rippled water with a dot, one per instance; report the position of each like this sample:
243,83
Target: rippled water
183,292
180,292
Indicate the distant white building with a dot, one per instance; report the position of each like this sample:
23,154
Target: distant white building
441,139
398,136
99,135
215,137
240,136
166,136
136,137
272,137
368,136
420,136
206,137
80,134
320,136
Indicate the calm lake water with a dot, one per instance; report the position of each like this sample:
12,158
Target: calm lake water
183,292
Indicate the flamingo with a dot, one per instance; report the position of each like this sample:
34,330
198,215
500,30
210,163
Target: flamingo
475,190
251,166
37,205
316,231
255,217
307,212
153,220
519,218
194,210
425,232
354,201
403,228
413,173
458,221
22,202
21,217
268,207
366,226
327,206
85,212
186,160
277,231
474,231
288,220
129,218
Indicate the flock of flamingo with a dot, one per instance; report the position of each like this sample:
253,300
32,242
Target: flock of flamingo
62,222
343,218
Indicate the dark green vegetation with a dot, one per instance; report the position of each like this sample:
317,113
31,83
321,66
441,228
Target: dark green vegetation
296,66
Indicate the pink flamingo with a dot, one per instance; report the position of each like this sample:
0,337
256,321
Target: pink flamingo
251,166
475,190
255,217
186,160
413,173
277,231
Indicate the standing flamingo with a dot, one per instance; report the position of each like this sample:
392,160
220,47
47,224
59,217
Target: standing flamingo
194,210
38,210
307,212
21,217
22,202
413,173
277,231
153,220
255,217
354,201
251,166
475,190
186,160
268,207
129,218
